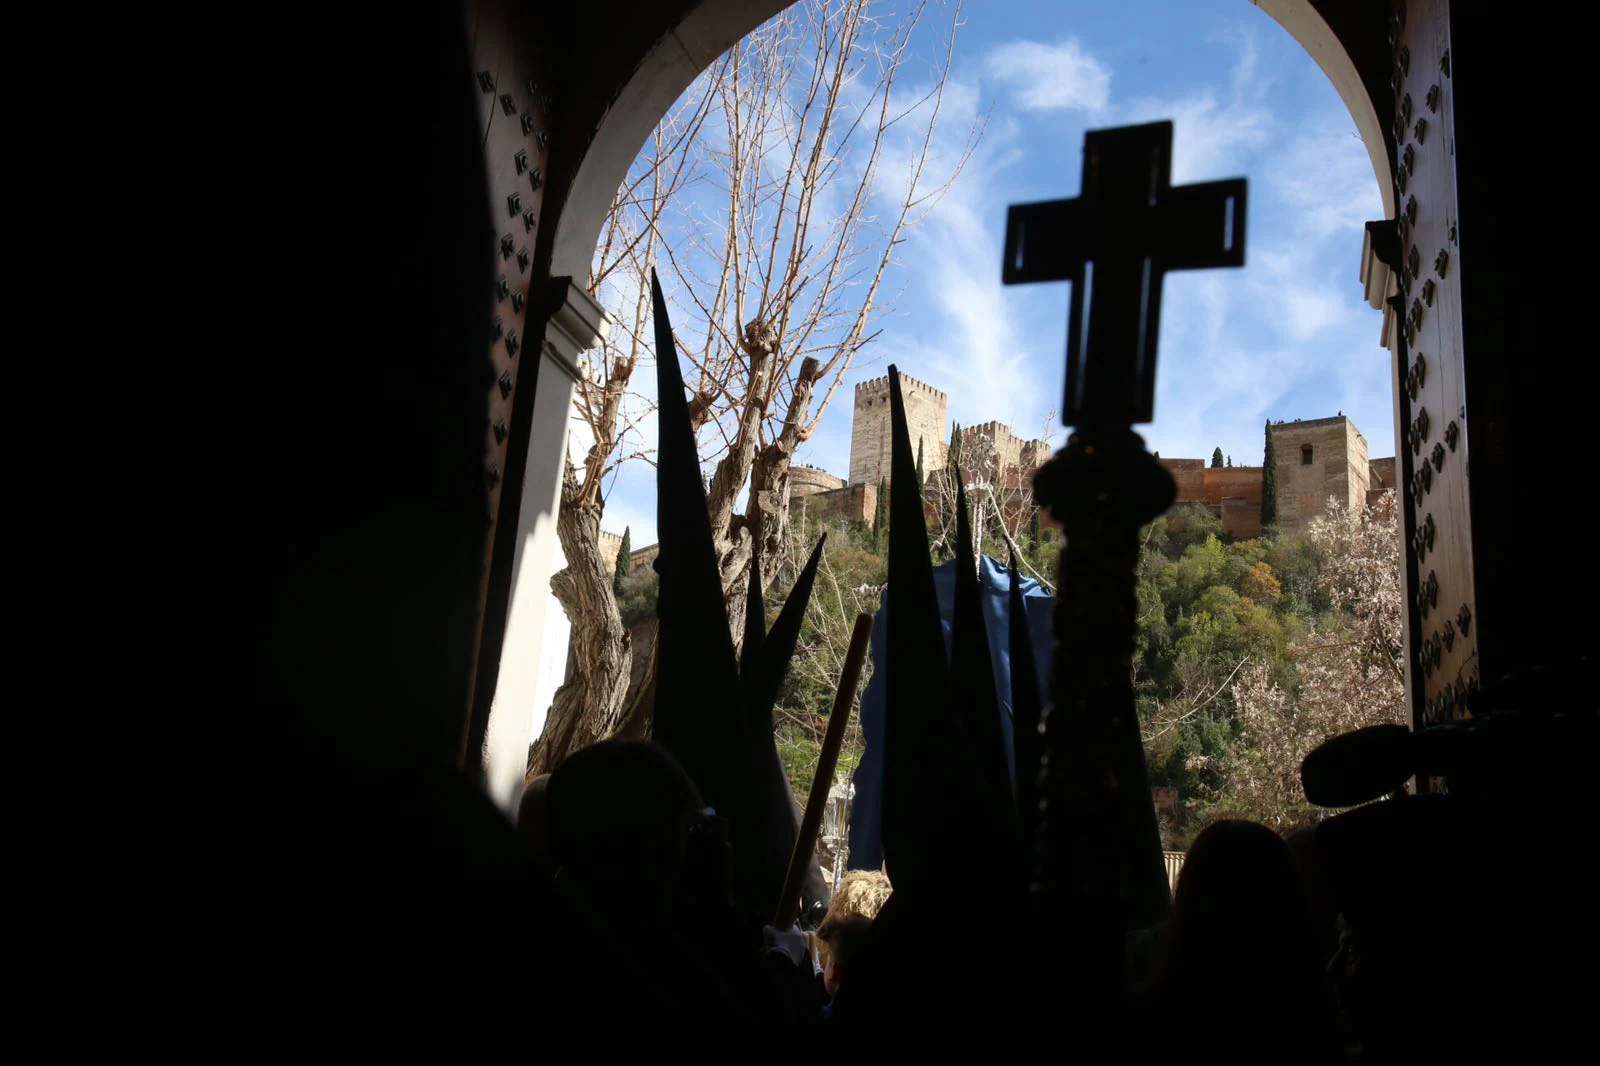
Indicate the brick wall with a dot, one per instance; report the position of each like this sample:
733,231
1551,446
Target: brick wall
1241,518
808,481
1233,482
853,503
1190,474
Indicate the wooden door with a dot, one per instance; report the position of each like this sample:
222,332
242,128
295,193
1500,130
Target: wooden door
1433,396
511,74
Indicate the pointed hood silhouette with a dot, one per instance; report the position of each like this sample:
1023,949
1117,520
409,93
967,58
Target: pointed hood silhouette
929,772
763,666
1026,708
699,715
755,620
713,711
936,800
972,675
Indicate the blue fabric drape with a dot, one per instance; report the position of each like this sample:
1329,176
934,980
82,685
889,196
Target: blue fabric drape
994,583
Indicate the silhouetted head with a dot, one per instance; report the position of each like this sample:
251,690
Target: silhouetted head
620,814
1239,907
1240,974
1240,977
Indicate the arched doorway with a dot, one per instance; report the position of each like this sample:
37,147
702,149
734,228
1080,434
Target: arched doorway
632,89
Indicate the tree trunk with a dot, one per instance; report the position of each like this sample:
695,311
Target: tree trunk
729,535
767,510
588,707
765,521
640,707
763,527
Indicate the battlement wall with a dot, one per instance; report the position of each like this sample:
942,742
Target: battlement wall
1233,482
1241,518
1190,474
852,503
610,545
1382,473
880,387
810,480
870,428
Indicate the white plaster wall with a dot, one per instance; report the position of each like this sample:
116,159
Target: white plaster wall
552,653
516,706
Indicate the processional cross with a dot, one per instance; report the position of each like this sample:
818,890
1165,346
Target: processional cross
1097,869
1115,242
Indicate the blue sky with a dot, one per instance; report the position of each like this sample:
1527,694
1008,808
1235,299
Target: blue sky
1288,336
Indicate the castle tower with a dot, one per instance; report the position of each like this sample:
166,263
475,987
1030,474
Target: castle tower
869,428
1318,458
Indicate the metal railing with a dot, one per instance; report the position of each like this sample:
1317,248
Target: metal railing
1174,864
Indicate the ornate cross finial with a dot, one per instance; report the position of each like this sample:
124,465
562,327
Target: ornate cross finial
1114,242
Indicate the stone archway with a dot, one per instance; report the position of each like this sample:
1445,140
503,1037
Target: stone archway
628,93
711,27
708,30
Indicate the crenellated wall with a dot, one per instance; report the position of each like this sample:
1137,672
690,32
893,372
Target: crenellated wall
809,480
870,435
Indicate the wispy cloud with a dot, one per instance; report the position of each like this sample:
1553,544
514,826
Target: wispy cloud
1050,77
1286,337
1214,132
961,340
1324,177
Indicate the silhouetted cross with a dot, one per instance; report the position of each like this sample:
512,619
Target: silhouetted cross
1114,242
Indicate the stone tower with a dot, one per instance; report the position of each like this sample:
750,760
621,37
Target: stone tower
869,428
1318,458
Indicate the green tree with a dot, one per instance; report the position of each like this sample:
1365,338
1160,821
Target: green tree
1261,584
637,598
880,514
922,478
1230,461
1035,532
1216,458
1269,483
624,561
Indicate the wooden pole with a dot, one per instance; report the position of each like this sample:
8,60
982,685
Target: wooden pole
805,842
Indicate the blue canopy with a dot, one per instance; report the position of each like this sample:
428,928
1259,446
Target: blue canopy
994,583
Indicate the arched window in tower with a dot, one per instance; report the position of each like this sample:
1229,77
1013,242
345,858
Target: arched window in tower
1305,455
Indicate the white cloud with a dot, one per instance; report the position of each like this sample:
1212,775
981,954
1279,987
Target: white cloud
1286,337
1308,310
972,350
1050,77
1325,178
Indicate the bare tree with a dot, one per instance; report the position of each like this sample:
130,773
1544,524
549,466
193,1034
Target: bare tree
773,201
824,163
607,412
783,283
